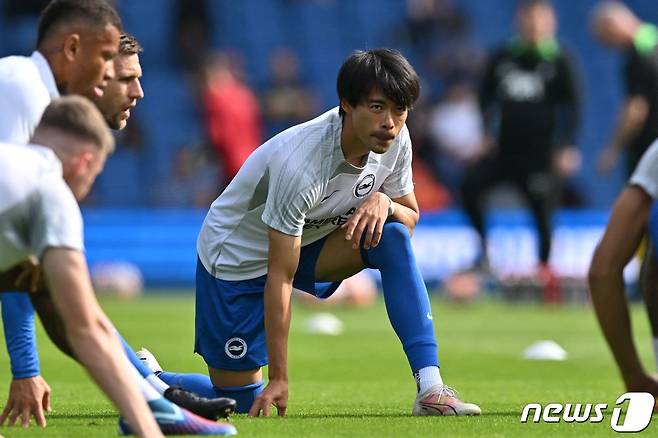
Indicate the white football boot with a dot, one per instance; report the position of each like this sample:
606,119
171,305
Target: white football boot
442,400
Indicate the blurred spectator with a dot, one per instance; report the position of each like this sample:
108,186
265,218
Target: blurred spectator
287,101
455,128
428,21
232,114
617,27
192,33
530,105
193,182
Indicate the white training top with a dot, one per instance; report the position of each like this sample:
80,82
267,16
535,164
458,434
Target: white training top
646,172
37,208
297,183
27,86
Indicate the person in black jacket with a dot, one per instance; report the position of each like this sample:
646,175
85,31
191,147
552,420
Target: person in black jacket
615,26
530,104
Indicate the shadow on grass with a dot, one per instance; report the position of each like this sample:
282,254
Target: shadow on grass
345,415
84,416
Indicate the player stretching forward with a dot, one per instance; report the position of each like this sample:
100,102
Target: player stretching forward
39,217
309,208
630,216
76,43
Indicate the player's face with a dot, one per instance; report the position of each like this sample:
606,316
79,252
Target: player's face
610,32
92,64
537,23
122,92
83,170
377,121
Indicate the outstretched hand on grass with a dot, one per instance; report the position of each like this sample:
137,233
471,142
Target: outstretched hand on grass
28,397
275,394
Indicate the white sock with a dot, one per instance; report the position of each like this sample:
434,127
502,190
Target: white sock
157,383
655,349
145,388
427,377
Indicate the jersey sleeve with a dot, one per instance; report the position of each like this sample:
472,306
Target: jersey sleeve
56,218
634,76
400,181
292,191
646,172
15,117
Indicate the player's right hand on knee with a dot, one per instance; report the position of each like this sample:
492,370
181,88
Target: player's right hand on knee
275,394
27,397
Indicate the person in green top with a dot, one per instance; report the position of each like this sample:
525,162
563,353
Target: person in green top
530,102
617,27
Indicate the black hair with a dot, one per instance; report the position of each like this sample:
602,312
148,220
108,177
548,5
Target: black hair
385,69
96,12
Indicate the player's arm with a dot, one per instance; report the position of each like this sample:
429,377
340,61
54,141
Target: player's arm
632,114
406,211
620,241
368,220
283,259
566,155
29,393
92,336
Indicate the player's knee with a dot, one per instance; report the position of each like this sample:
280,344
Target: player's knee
394,234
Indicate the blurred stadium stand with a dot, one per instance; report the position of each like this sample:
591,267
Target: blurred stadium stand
162,242
323,32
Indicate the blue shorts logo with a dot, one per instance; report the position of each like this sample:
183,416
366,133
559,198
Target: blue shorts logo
235,348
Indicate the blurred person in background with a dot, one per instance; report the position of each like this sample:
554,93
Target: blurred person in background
428,22
287,100
191,33
455,129
615,26
231,112
530,104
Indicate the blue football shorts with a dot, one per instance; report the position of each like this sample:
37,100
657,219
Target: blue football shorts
229,320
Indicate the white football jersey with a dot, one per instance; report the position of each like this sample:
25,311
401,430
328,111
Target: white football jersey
646,172
27,86
297,183
37,208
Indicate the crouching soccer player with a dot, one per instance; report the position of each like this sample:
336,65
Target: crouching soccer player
121,93
631,215
39,217
309,208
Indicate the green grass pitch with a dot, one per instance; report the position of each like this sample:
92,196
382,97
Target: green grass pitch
358,384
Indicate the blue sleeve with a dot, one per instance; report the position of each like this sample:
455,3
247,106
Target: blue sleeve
18,322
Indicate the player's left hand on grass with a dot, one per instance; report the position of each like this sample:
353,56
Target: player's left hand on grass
27,397
369,218
275,394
